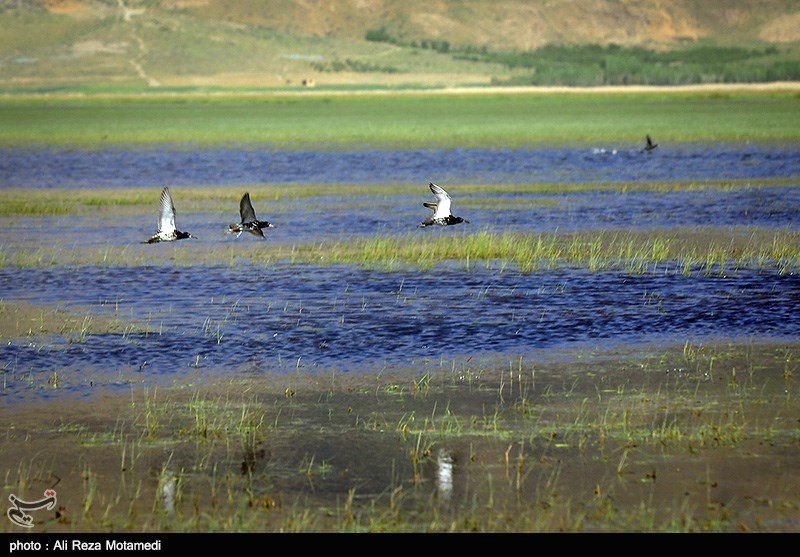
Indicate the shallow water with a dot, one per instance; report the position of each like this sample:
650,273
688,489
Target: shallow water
338,218
48,168
258,319
270,320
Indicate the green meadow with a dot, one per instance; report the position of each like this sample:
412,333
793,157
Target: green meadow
330,120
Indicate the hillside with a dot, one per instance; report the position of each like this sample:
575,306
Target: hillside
50,44
516,24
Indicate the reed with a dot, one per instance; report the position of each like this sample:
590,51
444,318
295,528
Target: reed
685,252
697,251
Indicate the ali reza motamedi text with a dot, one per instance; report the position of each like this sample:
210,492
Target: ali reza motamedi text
78,545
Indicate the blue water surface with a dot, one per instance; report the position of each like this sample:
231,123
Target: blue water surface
363,321
49,168
266,317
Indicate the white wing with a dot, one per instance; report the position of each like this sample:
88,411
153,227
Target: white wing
443,202
166,220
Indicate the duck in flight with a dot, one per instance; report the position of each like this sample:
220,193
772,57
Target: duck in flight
441,209
166,222
649,145
249,221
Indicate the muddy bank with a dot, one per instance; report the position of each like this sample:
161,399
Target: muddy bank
659,439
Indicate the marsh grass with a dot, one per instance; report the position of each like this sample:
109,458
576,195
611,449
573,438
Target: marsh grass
684,251
646,441
23,319
701,251
690,251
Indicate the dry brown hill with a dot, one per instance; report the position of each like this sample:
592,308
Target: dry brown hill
503,24
48,44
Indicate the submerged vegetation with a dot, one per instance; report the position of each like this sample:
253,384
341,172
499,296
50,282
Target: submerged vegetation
609,442
23,319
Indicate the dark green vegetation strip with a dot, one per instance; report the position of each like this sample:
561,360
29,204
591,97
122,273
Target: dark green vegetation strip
612,64
617,65
398,120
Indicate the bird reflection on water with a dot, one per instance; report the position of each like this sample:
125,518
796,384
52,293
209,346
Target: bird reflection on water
444,474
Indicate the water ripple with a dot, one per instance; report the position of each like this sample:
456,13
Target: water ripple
358,320
53,167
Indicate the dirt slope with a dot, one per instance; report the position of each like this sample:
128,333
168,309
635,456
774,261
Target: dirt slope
517,24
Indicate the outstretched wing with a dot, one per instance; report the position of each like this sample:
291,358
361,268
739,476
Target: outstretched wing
166,219
442,209
246,209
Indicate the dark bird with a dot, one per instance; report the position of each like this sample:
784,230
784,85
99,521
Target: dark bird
441,209
649,146
249,221
166,222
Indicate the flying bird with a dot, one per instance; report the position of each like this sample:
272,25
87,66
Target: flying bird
649,146
166,222
441,209
249,221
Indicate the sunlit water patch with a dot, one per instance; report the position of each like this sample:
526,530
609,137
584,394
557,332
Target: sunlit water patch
52,167
222,320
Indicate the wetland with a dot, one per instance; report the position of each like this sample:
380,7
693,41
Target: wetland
609,345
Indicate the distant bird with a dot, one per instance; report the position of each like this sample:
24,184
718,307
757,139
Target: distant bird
249,221
441,209
166,222
649,146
